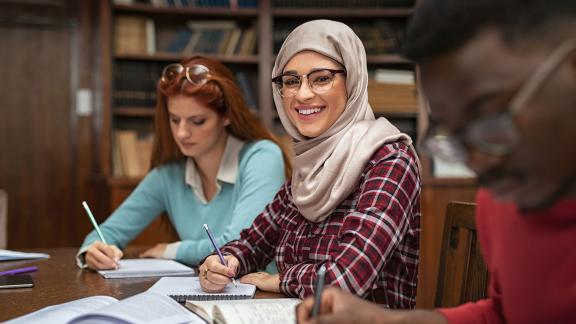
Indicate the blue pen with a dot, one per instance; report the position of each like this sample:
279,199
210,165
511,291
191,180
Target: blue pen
318,291
222,260
19,270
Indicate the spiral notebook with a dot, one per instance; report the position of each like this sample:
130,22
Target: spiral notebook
188,288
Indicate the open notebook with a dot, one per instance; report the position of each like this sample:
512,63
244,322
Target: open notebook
188,288
261,311
130,268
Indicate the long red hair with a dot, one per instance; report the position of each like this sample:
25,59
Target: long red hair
222,94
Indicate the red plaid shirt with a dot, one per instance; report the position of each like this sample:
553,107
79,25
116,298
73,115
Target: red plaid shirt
369,244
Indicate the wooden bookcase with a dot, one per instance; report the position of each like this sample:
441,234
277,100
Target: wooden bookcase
266,18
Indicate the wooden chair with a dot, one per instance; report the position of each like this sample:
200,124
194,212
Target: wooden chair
463,276
3,219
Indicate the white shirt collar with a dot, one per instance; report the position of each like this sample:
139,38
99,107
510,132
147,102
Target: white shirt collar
227,172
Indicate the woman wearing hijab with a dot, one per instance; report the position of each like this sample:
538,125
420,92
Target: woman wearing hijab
352,204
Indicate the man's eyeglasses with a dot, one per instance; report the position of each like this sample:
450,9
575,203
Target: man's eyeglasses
319,81
196,74
496,134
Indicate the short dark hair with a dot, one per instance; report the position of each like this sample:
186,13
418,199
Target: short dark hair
440,26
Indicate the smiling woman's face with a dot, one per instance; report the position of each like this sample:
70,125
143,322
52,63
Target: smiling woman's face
313,113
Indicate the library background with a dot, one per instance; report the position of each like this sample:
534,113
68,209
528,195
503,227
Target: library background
77,114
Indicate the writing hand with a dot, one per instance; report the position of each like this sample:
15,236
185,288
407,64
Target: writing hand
100,256
339,307
214,276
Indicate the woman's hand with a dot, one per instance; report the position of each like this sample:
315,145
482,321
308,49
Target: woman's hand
100,256
214,276
155,252
263,280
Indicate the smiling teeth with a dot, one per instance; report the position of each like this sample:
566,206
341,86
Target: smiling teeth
309,111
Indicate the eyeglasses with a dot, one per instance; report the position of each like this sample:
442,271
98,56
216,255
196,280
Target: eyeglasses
196,74
319,81
494,135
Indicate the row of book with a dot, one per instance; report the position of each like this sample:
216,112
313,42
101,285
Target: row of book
194,3
135,34
379,36
223,37
135,84
131,154
393,91
342,3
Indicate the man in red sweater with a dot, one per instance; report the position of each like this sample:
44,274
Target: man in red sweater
500,77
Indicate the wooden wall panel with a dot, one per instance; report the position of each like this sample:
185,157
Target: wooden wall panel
45,149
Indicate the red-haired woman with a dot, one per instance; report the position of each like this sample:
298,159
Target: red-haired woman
213,162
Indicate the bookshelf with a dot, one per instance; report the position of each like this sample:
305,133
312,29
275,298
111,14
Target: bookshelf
126,61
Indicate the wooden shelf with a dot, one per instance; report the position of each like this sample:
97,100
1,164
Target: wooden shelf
182,11
164,56
396,114
134,111
386,59
341,12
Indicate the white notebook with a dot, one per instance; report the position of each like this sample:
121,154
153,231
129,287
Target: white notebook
188,288
130,268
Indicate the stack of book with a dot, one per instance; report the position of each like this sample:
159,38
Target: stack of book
393,91
131,155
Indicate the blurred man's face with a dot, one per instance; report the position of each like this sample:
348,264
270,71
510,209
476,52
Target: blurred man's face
477,81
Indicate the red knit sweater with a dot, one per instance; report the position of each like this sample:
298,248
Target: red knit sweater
532,264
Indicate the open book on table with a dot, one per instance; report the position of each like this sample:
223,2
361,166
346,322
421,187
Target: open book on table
262,311
147,307
188,288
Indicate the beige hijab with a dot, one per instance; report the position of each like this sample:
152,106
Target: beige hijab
327,168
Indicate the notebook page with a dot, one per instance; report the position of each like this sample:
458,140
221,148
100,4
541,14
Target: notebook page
264,311
147,307
147,268
6,255
62,313
184,288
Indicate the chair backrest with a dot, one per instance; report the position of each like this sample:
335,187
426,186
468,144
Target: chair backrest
463,276
3,219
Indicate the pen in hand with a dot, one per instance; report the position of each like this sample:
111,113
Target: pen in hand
318,291
18,271
96,227
222,260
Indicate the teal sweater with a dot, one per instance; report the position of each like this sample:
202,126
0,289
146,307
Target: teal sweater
260,175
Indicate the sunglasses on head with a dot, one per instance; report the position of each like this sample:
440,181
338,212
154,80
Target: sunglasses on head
196,74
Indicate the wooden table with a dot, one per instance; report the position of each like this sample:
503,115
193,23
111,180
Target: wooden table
59,280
